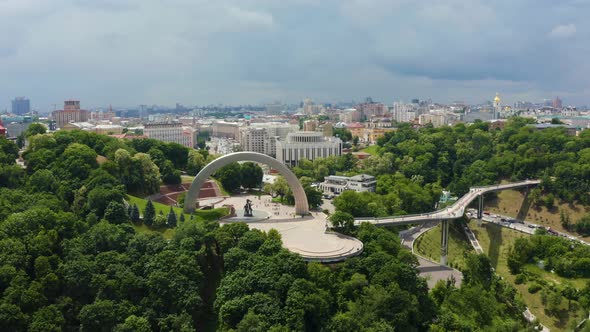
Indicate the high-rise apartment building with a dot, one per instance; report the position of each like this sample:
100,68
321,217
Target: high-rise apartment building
557,103
403,112
70,113
350,115
171,132
226,129
309,108
262,137
307,145
21,106
371,109
255,140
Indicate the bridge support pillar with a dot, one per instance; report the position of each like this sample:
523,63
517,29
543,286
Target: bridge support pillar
444,242
480,207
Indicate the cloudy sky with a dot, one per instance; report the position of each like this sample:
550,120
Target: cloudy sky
127,52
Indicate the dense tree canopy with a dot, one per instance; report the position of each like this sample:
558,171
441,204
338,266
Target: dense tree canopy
71,259
234,176
465,155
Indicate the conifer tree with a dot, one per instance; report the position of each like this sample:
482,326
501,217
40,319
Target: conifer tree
135,214
149,213
171,221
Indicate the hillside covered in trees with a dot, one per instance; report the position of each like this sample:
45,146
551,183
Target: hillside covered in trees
71,261
413,165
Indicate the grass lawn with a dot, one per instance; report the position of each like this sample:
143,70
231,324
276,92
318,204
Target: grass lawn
512,203
190,178
496,241
371,149
428,245
187,178
221,189
214,214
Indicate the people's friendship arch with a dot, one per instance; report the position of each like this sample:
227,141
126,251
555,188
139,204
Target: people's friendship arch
301,205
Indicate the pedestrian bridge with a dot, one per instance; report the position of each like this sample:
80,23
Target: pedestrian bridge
454,211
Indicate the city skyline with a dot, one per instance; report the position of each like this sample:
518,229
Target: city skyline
253,52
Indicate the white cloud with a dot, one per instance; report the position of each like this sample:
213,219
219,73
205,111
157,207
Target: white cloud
127,52
250,17
563,31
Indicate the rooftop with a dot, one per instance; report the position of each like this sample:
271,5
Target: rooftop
355,125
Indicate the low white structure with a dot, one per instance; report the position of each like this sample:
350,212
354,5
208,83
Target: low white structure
307,145
337,184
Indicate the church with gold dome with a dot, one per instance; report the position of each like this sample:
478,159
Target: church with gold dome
497,106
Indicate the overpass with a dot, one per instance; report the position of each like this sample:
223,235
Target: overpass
455,211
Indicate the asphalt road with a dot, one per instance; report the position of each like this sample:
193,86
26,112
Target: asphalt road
519,225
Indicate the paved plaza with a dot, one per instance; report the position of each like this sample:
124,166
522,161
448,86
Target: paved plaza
307,236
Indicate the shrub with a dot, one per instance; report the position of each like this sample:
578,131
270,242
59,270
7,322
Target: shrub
520,279
534,287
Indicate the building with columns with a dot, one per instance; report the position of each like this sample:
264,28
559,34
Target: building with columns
307,145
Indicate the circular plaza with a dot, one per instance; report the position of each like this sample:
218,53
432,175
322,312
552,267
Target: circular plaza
307,236
302,231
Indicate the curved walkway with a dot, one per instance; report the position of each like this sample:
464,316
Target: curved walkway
432,271
454,211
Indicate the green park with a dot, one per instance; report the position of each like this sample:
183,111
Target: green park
88,242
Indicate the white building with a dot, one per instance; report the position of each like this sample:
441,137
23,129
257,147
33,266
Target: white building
337,184
307,145
171,132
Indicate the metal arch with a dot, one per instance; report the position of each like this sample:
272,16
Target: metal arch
301,205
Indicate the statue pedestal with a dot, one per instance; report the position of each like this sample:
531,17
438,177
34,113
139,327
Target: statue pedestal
257,215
